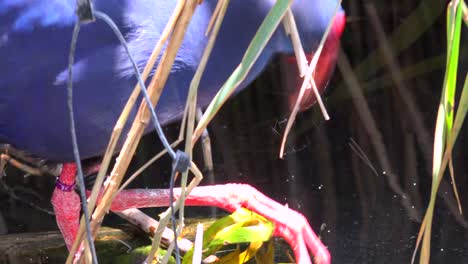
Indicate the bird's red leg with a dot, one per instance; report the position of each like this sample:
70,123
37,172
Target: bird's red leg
67,208
289,224
66,203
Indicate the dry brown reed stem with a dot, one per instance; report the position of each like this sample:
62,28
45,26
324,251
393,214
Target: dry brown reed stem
123,119
130,103
190,107
140,122
5,158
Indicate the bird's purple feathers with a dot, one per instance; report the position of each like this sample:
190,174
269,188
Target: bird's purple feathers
34,42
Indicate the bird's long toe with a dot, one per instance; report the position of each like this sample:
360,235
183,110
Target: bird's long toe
289,224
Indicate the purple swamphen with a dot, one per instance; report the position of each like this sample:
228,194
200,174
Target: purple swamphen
34,44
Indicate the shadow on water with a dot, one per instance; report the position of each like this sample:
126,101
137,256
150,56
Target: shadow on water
367,194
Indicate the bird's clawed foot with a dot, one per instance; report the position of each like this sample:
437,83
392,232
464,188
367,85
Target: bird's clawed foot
289,224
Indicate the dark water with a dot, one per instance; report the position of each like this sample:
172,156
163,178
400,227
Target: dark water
372,210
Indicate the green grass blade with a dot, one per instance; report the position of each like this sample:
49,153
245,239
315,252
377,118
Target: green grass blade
258,43
454,14
442,144
454,25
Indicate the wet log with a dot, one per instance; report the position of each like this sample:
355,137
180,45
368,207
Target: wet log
112,245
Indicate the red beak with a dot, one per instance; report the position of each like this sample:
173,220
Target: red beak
323,71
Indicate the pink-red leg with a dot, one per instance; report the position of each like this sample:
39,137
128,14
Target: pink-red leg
289,224
66,203
67,208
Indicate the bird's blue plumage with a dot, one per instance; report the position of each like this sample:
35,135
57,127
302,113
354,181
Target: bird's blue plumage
34,43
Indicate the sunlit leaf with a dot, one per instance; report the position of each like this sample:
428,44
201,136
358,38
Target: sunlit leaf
242,226
237,257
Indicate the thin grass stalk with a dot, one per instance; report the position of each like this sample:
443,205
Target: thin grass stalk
192,103
307,80
166,215
194,84
198,244
290,27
